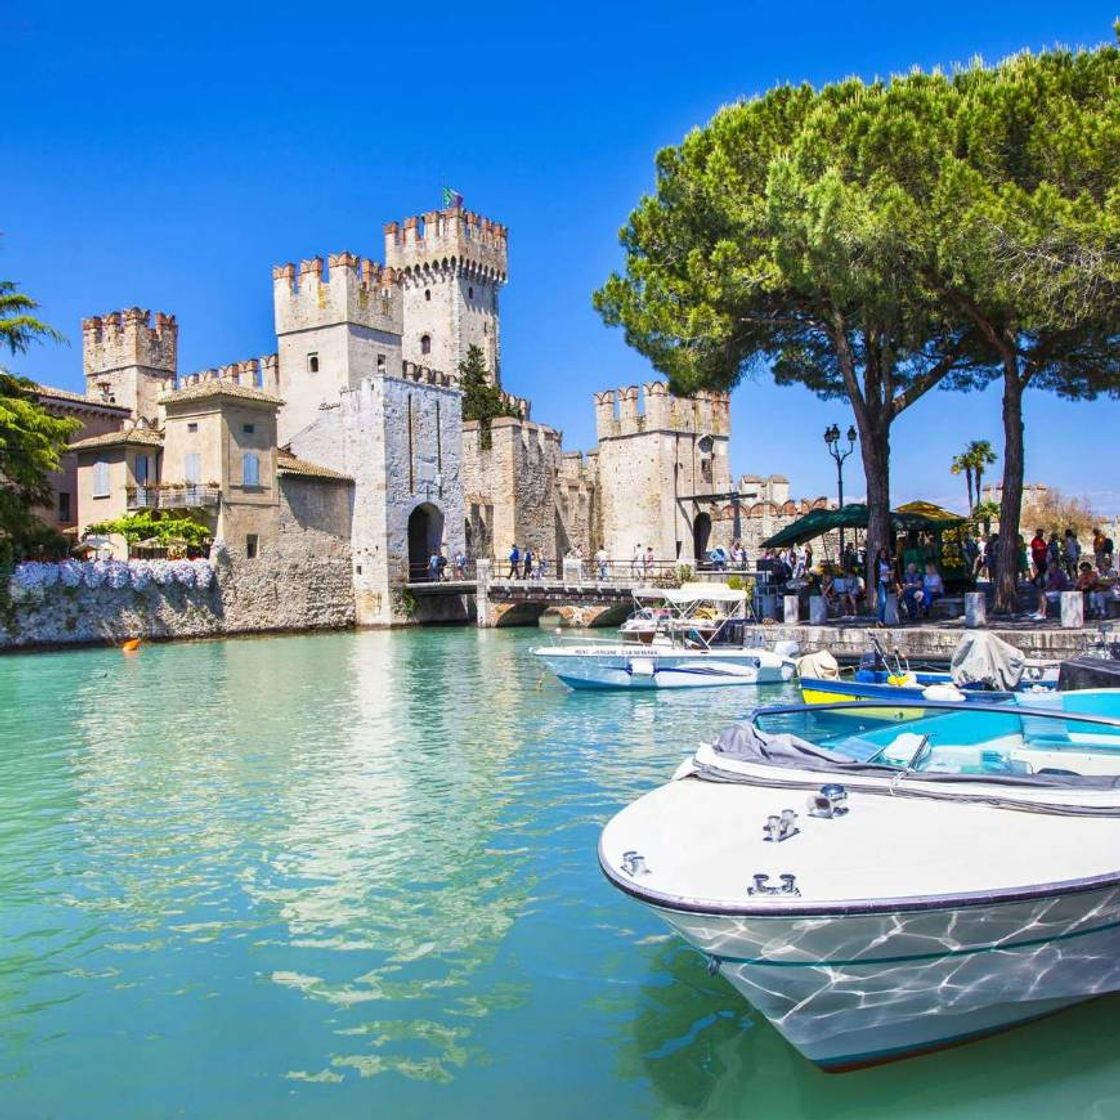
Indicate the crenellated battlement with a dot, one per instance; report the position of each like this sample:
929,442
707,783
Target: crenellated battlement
652,408
578,471
342,288
122,339
423,375
251,373
452,238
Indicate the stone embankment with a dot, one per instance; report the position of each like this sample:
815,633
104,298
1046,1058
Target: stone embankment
219,597
933,642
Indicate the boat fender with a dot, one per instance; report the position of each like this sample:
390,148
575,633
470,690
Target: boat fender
942,692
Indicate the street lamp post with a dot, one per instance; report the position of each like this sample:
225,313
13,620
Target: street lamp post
832,442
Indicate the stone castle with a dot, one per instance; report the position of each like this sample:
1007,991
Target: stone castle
343,457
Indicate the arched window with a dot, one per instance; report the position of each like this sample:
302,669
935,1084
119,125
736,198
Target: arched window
425,344
470,293
428,294
312,363
250,470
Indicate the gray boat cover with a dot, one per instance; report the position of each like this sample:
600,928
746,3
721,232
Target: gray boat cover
744,742
982,658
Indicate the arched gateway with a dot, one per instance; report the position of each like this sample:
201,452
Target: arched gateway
425,536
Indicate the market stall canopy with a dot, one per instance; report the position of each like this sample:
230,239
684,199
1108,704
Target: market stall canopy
926,515
818,522
914,515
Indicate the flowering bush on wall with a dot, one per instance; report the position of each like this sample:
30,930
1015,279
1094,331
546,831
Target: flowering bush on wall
31,578
70,573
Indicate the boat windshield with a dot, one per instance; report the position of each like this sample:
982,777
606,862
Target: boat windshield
1062,737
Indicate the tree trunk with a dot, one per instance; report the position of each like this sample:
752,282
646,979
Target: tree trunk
1011,505
968,480
875,448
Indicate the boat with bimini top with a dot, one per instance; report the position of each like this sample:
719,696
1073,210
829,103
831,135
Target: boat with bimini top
681,654
899,887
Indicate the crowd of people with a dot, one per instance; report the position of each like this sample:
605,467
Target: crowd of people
1054,563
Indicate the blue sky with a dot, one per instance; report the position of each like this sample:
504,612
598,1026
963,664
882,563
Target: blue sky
167,157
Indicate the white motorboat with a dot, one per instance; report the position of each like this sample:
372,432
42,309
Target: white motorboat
899,887
680,655
690,608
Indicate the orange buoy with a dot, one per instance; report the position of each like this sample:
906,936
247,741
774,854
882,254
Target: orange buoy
131,646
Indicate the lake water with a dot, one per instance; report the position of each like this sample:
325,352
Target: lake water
354,875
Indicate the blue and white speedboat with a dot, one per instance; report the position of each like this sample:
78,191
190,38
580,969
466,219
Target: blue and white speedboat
682,654
899,887
983,670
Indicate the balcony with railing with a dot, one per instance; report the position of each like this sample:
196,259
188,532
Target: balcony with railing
189,495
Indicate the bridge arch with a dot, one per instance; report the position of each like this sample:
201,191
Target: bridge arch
425,536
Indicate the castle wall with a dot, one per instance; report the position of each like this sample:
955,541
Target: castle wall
655,452
450,265
336,323
524,489
302,583
401,443
129,362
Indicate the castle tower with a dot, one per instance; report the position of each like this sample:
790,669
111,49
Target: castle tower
451,265
338,322
659,455
128,362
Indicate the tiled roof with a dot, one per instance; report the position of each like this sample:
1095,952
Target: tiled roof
144,436
77,398
287,463
218,388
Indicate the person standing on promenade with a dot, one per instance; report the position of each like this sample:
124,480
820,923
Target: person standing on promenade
636,562
601,562
886,581
1038,556
1071,546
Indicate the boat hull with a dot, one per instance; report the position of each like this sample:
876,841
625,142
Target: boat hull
859,989
816,690
598,668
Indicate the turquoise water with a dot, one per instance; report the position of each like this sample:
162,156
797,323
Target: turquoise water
354,875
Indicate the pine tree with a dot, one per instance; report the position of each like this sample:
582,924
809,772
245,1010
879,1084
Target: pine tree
482,400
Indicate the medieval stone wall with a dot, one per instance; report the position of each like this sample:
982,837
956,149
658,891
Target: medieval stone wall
525,489
401,442
302,583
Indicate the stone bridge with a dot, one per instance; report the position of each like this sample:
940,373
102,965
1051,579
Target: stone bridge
573,600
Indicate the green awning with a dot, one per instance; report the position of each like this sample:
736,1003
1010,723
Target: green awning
914,515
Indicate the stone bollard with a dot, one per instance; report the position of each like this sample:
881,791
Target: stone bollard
975,609
890,615
482,593
791,610
818,610
1073,610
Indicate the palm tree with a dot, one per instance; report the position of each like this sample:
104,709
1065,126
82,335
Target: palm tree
18,326
981,454
971,463
962,464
